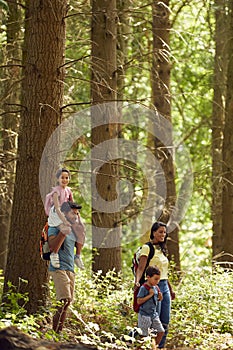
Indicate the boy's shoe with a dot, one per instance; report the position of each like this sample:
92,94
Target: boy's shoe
78,261
153,332
134,334
54,259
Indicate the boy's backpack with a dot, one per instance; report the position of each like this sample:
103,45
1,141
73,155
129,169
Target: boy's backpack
135,260
44,244
134,267
135,304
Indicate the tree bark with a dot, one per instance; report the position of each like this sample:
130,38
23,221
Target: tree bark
122,45
10,123
220,66
161,100
105,225
42,97
13,339
227,195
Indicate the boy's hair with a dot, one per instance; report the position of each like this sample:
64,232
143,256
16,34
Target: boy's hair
62,170
152,270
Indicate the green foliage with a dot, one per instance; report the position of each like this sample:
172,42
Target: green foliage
192,56
192,49
13,312
202,310
78,54
102,311
4,5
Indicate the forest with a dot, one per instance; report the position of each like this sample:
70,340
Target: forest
135,99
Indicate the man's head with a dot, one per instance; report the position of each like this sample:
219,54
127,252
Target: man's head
74,205
69,209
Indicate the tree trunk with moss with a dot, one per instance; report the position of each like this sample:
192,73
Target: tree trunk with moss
220,66
10,123
227,156
161,100
106,230
41,101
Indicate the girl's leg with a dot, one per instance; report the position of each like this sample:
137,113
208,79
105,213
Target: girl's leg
64,229
77,258
54,257
79,248
79,232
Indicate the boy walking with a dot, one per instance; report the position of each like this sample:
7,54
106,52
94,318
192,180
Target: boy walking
148,318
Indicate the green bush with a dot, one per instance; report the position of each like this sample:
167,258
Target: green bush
202,310
102,311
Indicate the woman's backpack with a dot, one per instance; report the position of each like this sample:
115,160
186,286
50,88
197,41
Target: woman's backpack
135,260
134,267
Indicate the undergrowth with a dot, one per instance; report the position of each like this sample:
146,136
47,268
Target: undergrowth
102,312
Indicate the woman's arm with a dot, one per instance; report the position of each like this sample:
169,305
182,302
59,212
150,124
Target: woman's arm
173,295
140,269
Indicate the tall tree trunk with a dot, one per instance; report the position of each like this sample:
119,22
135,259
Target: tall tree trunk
42,96
161,99
122,45
10,122
220,66
106,230
227,195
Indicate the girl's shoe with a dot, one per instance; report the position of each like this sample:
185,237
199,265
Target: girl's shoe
54,259
78,261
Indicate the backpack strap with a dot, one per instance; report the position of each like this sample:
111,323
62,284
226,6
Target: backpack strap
151,253
150,256
148,288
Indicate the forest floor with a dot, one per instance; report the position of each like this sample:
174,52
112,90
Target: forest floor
224,342
12,338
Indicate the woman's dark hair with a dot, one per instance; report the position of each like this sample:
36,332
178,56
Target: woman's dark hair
62,170
155,227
